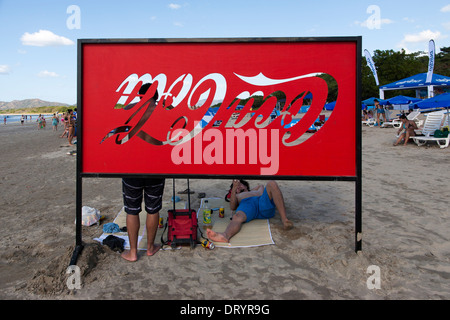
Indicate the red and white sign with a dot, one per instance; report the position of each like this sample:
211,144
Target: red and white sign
124,133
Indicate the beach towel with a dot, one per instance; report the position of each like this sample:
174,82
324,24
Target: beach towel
252,234
121,221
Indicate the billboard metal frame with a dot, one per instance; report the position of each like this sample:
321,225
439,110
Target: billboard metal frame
357,179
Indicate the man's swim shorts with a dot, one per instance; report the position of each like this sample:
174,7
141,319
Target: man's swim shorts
134,189
261,207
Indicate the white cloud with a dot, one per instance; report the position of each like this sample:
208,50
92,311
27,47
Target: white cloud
419,40
425,35
4,69
47,74
44,38
178,24
446,8
174,6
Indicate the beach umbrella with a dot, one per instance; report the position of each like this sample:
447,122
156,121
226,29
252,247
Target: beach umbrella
330,106
439,101
400,100
371,101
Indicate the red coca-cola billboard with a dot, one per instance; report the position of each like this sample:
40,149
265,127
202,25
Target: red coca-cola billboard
219,107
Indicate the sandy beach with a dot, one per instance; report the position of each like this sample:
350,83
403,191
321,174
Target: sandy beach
406,223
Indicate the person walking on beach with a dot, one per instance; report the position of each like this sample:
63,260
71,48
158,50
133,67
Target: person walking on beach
55,122
133,190
380,111
70,126
257,203
39,122
66,126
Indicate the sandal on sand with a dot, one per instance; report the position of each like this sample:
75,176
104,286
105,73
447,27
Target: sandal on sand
186,192
201,195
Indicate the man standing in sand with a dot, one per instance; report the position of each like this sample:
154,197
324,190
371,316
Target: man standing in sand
258,203
134,189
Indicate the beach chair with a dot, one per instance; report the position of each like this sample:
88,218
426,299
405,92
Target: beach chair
397,123
370,122
433,122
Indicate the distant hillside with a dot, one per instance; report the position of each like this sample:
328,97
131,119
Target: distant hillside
29,103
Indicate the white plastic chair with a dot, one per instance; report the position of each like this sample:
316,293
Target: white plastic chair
433,122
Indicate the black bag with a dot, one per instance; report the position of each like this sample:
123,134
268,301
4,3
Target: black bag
114,243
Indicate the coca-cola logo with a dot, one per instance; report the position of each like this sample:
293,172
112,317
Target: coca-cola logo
180,111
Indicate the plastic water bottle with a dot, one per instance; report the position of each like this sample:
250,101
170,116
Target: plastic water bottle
207,214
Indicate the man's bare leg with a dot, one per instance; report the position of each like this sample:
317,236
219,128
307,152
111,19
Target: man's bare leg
152,226
233,227
133,229
275,194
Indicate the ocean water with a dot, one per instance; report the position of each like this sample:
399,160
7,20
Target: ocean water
16,118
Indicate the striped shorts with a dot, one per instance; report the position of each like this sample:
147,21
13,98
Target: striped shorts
134,189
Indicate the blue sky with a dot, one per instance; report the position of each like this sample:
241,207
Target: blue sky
38,52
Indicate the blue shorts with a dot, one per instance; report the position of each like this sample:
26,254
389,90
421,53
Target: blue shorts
261,207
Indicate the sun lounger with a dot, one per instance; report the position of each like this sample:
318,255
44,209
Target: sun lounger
422,140
370,122
396,123
432,123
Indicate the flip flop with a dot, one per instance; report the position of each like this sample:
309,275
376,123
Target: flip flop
228,196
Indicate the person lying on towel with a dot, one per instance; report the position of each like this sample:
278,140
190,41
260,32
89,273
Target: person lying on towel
257,203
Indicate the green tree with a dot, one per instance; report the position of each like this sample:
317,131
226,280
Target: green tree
442,62
396,65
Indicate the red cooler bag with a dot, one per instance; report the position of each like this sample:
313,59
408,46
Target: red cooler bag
182,227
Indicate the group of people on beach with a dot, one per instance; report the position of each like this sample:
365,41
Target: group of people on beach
69,120
380,111
405,131
247,205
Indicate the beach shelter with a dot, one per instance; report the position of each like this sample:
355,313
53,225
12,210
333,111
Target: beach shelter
417,82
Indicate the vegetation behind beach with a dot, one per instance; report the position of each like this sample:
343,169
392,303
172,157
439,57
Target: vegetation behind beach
37,110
